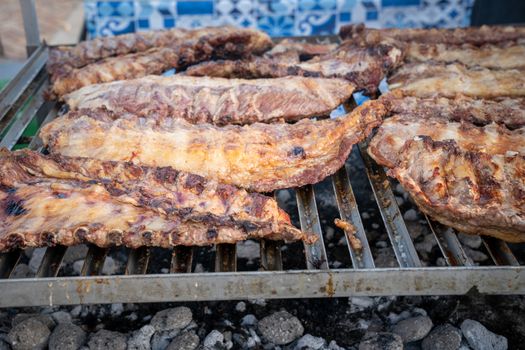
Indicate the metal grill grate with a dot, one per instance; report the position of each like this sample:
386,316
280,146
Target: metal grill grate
21,102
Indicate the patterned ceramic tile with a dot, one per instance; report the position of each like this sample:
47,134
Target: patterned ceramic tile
277,17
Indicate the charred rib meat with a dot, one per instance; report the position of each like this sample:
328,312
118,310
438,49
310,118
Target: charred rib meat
259,157
451,80
216,100
60,200
506,111
473,192
458,36
228,44
363,66
64,58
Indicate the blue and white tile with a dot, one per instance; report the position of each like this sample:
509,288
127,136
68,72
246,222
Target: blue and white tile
235,12
275,7
155,14
317,23
277,25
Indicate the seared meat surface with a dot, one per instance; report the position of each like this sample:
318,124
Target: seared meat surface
457,36
363,66
473,192
259,157
492,139
294,51
506,111
216,100
216,44
64,58
503,56
59,200
450,80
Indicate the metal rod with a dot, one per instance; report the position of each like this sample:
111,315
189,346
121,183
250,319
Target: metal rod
94,261
226,258
395,226
51,261
138,260
361,256
309,218
268,285
181,259
36,143
36,108
499,251
271,259
8,262
449,244
30,25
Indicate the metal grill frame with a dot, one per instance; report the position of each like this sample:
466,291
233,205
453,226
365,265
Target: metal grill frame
21,101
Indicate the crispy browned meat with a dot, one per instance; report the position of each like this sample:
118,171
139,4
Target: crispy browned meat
473,192
260,157
216,100
506,55
506,111
386,145
230,44
363,66
60,200
66,57
458,36
295,51
450,80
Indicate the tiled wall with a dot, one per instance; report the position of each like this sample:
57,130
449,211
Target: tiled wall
277,17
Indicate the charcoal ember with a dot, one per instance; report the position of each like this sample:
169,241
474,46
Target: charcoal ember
67,336
480,338
214,339
45,319
29,334
413,329
169,319
443,337
104,339
472,241
61,317
184,341
384,341
280,328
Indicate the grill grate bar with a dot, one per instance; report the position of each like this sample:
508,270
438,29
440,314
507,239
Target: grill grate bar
22,86
309,218
449,244
8,262
499,251
395,225
138,260
36,143
271,259
181,259
226,257
344,195
51,261
94,261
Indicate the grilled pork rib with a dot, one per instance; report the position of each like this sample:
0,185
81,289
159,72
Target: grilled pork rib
503,56
230,44
432,79
216,100
64,58
294,51
363,66
473,192
507,111
60,200
385,147
458,36
259,157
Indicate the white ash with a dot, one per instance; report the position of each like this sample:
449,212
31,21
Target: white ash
260,302
161,339
442,337
164,270
365,215
381,244
400,201
249,250
117,309
394,318
67,336
199,268
241,306
472,241
280,328
480,338
410,215
475,255
381,340
140,340
329,233
308,341
337,264
413,328
61,317
249,321
361,303
213,338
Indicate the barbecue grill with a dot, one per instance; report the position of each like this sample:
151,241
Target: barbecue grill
22,102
